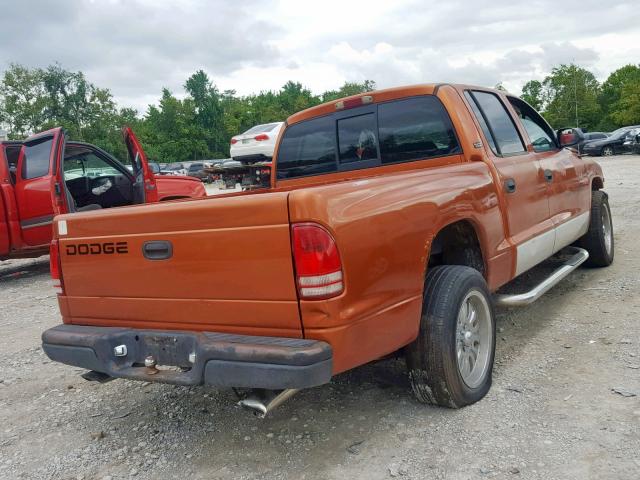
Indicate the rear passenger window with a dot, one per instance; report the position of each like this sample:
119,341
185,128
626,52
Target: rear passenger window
415,128
503,130
308,148
357,139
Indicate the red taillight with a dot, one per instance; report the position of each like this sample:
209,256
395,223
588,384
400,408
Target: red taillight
54,267
317,262
261,137
234,141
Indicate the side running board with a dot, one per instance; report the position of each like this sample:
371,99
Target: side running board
522,299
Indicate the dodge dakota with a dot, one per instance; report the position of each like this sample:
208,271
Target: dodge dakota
392,220
33,172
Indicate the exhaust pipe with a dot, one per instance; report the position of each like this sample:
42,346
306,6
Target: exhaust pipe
261,401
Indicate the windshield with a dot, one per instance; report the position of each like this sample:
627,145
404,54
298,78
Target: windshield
621,132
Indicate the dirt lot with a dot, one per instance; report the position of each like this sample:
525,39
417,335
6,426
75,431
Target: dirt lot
552,412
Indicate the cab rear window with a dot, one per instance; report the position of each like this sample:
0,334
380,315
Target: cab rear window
308,148
410,129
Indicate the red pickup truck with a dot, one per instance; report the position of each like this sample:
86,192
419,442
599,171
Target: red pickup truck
392,221
34,172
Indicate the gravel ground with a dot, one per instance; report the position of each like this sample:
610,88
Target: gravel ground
552,413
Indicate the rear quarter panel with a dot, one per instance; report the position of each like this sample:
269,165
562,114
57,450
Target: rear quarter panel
384,227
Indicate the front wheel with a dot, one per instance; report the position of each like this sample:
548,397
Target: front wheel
607,151
598,240
451,361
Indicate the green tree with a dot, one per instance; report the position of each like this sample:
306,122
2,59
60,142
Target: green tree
22,100
198,126
208,110
571,97
618,99
627,110
532,94
348,89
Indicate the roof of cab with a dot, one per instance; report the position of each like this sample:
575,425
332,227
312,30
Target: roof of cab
378,96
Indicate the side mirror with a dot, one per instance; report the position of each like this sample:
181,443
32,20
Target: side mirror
568,137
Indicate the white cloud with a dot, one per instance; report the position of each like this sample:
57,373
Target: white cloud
138,46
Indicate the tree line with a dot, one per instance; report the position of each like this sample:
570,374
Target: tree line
200,124
571,96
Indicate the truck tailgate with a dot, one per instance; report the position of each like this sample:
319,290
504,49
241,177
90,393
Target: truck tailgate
229,268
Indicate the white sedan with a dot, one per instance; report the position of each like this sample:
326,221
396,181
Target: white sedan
257,143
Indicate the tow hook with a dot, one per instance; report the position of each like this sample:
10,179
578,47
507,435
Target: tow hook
150,363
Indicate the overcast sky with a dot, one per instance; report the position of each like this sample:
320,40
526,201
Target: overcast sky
136,47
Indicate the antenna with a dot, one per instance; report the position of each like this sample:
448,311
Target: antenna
575,89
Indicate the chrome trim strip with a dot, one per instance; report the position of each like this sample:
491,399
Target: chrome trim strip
37,222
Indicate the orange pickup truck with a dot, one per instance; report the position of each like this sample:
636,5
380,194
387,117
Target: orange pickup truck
392,220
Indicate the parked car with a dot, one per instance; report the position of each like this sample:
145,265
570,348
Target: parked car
177,168
611,145
589,137
632,141
256,144
393,219
196,170
47,174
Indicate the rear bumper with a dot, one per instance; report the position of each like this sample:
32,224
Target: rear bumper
219,359
259,148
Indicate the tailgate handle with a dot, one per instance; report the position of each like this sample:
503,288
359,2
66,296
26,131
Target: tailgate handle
157,250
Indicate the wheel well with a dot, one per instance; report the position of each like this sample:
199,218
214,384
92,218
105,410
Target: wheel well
457,244
166,199
597,183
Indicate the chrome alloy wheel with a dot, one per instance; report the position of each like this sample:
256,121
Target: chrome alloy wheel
607,228
474,338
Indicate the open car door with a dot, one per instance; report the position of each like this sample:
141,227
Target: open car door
38,190
145,181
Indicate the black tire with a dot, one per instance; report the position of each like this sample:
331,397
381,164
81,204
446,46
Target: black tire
607,151
595,241
432,358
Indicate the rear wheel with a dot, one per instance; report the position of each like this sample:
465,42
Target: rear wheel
607,151
598,240
450,362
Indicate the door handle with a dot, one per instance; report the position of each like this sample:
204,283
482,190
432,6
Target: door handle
157,250
510,185
548,175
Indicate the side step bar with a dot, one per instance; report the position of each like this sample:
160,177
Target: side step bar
522,299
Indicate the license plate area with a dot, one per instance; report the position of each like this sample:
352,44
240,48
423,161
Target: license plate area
166,350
